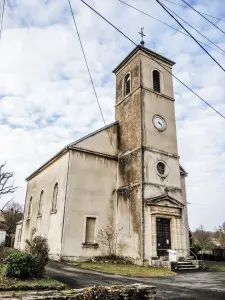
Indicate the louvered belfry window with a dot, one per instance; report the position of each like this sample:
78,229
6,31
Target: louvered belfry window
156,81
127,84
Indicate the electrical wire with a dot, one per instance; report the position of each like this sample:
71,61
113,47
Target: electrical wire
163,6
219,19
141,11
2,17
193,28
203,16
155,60
89,72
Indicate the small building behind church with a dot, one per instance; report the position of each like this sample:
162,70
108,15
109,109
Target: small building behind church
126,174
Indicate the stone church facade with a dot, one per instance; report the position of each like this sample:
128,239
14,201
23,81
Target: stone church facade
126,174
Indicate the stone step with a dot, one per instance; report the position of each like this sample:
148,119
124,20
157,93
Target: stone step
186,266
186,269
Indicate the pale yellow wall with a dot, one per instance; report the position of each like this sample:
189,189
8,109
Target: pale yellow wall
91,193
150,162
104,141
166,140
48,225
17,242
148,65
161,146
186,240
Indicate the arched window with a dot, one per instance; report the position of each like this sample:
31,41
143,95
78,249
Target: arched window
55,196
40,203
127,84
156,81
29,208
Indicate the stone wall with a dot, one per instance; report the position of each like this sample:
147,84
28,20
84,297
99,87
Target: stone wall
122,292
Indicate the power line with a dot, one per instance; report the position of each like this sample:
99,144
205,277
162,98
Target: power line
203,16
198,10
141,11
163,6
2,16
193,28
155,60
89,72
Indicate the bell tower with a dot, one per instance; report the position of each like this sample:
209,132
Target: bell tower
150,196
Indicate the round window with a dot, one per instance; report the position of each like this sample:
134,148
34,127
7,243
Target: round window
161,168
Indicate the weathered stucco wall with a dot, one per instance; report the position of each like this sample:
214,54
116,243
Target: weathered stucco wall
104,141
91,193
129,192
48,224
129,207
148,65
18,236
150,170
155,104
186,240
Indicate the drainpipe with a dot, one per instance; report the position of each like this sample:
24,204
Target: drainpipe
64,210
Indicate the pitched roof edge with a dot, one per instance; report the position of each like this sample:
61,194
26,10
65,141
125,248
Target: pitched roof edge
61,152
163,197
109,156
93,133
65,149
147,51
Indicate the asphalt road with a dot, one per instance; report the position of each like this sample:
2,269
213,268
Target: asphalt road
195,285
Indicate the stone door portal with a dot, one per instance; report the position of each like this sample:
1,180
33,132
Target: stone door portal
163,236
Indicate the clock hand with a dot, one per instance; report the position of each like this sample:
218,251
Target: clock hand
160,123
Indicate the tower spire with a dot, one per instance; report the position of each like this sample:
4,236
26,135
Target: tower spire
142,35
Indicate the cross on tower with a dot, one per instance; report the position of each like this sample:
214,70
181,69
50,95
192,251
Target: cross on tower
142,35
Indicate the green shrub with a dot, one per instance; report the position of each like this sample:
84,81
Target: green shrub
20,265
38,248
196,248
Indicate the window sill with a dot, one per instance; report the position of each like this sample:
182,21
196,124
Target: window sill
39,215
90,245
53,211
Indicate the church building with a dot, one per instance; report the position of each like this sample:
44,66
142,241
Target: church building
126,174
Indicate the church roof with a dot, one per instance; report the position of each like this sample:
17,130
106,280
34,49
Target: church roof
148,52
92,133
73,146
69,146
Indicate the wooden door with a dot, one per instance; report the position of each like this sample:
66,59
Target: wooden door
163,236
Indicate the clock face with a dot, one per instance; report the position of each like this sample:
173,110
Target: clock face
159,123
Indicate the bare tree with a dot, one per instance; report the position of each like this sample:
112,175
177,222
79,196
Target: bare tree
109,236
12,213
220,235
6,181
203,238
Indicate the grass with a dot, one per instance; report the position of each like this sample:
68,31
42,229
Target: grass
8,284
215,267
121,269
32,284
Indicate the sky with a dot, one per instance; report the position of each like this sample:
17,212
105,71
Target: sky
46,99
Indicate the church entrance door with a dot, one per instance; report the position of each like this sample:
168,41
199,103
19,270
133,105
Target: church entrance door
163,236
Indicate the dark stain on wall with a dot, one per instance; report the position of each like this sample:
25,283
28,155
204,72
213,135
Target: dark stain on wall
130,168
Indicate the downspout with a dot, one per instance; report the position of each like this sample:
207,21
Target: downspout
64,210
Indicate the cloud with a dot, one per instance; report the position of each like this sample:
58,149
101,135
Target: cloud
46,97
